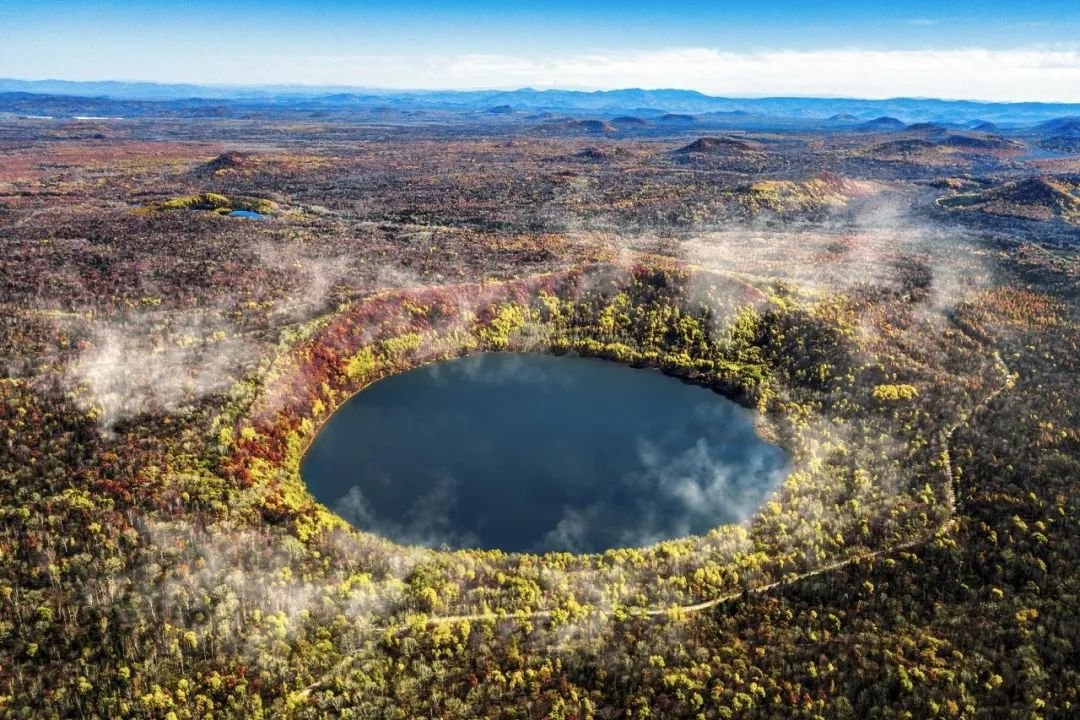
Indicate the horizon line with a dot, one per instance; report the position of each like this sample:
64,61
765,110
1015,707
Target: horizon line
531,88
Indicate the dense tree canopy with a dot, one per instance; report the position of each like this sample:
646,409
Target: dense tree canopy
166,366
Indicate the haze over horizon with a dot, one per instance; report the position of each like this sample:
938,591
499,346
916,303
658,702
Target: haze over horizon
958,49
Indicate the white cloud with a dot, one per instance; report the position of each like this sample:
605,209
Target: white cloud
973,73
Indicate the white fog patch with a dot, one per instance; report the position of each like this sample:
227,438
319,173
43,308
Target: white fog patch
135,367
314,278
570,532
679,493
395,277
428,522
873,246
701,483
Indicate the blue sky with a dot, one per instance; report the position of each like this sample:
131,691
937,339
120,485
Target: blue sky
990,50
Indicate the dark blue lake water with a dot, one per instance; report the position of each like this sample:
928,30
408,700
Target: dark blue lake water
532,452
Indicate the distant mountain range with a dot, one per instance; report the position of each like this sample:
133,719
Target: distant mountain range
130,97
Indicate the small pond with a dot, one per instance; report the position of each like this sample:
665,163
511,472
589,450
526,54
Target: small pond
529,452
248,214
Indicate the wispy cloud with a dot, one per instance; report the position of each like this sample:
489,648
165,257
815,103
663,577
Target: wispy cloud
975,73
